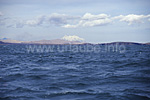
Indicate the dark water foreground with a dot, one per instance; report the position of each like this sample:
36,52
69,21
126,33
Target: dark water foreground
74,75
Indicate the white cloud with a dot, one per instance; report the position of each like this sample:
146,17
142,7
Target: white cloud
72,38
89,16
69,26
89,20
132,18
97,22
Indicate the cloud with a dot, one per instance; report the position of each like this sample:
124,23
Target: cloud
57,19
38,21
69,21
1,13
61,19
89,20
69,26
98,22
94,20
72,38
14,23
89,16
132,18
52,19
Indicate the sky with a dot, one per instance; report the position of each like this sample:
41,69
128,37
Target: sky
94,21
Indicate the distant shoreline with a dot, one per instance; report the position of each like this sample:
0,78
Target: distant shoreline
111,43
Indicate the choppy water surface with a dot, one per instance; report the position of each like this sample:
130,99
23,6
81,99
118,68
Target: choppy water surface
74,75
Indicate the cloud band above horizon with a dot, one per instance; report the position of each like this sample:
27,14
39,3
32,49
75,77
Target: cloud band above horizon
69,21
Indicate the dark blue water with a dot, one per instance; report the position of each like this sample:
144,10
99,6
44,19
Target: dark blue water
74,75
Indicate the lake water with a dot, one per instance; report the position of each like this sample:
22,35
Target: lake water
74,75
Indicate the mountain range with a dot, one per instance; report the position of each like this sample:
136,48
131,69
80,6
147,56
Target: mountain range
55,41
61,41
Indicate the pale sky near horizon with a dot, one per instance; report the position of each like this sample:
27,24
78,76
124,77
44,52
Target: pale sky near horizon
95,21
